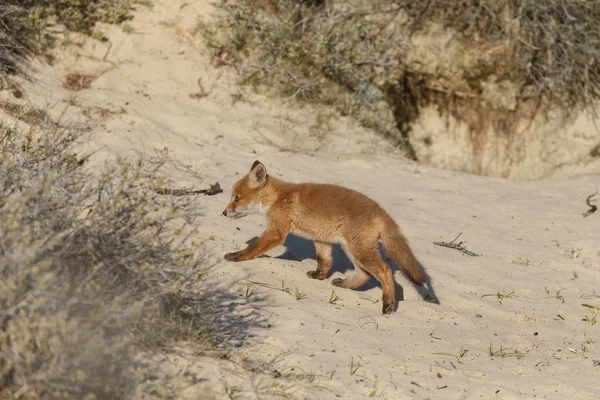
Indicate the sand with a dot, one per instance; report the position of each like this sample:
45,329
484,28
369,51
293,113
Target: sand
536,250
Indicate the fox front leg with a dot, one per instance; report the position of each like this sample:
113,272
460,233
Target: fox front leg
270,238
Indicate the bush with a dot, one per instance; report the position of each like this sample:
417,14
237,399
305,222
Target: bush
77,15
93,268
16,36
23,24
359,54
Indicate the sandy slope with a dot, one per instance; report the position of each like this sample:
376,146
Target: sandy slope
531,236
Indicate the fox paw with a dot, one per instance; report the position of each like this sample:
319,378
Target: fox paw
338,282
315,275
233,256
387,308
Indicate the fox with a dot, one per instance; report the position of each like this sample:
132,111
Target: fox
327,214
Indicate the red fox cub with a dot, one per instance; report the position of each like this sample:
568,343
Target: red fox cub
326,214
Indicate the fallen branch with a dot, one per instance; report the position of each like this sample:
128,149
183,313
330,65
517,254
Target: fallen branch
457,246
592,207
214,189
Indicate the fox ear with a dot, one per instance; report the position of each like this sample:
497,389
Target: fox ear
255,164
258,174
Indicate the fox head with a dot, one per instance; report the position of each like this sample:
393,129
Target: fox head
247,195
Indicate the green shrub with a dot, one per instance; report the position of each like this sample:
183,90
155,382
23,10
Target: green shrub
78,15
23,24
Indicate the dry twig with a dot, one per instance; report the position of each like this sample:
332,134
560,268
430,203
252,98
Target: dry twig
457,246
593,207
214,189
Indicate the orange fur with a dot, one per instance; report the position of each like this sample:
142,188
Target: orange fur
327,214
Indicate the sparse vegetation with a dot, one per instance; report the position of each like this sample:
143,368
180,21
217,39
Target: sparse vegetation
299,295
500,297
333,297
591,318
283,288
584,345
91,272
503,353
353,366
558,295
504,60
374,389
24,25
459,356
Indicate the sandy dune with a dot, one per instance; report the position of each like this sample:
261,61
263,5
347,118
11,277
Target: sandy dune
531,236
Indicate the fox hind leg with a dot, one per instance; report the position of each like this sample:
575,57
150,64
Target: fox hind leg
370,262
324,261
373,263
358,278
354,281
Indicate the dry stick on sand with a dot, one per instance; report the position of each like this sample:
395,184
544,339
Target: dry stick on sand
593,208
457,246
214,189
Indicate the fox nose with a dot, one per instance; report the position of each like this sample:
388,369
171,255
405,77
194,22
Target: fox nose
225,212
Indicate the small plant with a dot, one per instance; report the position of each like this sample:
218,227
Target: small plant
283,288
374,389
520,261
557,296
500,297
249,291
297,294
591,318
585,344
100,36
459,356
333,298
277,388
331,374
573,253
233,392
502,352
353,367
127,28
588,296
310,376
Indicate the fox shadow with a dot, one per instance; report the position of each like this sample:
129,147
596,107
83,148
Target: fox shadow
300,249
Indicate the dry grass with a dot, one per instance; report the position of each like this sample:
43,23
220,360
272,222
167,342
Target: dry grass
93,269
510,58
17,37
76,82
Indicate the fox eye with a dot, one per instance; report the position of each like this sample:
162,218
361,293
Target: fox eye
237,198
